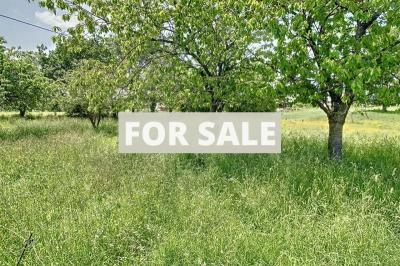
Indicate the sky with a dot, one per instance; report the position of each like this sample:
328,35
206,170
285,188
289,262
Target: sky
20,35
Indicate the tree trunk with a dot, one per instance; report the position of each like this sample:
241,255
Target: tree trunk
336,109
335,140
216,105
384,108
92,121
98,121
22,112
95,120
153,106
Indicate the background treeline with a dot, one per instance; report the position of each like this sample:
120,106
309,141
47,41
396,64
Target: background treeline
87,80
212,56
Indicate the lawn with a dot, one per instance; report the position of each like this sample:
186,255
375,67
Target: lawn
85,204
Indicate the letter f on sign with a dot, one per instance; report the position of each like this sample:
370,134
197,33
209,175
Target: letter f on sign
130,133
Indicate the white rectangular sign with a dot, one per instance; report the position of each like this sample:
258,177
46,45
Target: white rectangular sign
199,132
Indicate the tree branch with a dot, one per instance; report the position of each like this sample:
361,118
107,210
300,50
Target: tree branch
362,27
324,107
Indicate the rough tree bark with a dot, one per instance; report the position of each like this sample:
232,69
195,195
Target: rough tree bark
337,112
335,139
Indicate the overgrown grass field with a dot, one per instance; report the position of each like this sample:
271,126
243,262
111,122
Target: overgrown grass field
85,204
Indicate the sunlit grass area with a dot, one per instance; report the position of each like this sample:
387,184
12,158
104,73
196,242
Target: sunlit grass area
85,204
31,114
360,122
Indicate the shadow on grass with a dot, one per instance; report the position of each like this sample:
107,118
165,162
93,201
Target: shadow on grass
15,129
108,127
31,116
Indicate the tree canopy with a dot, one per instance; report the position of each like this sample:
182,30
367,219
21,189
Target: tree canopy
333,53
212,40
2,61
92,87
230,55
25,86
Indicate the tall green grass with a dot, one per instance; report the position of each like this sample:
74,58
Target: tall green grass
85,204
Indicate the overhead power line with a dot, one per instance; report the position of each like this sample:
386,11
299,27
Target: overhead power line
64,34
30,24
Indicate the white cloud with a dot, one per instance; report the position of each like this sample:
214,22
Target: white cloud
52,20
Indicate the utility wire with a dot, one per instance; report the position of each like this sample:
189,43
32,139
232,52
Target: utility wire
62,33
32,25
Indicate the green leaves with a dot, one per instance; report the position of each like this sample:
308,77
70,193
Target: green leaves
340,48
25,87
2,62
91,86
317,49
209,41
